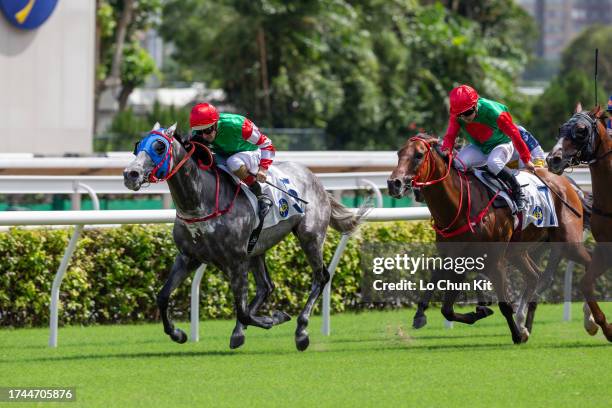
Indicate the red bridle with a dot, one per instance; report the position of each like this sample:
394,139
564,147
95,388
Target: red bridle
463,179
169,155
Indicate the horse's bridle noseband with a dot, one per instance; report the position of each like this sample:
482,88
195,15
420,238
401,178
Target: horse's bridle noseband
583,138
470,223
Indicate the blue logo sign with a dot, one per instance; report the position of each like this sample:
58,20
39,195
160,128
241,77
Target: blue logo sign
283,207
538,215
27,14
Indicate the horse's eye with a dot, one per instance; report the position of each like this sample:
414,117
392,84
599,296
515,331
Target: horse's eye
418,155
159,147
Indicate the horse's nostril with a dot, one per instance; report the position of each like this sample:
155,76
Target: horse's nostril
556,160
397,183
133,175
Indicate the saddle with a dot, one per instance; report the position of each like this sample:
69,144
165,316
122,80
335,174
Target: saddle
495,186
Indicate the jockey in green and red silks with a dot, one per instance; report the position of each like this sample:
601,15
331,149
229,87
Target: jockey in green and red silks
491,133
249,152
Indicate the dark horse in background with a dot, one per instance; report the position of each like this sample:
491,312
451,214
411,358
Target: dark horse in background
584,139
215,219
421,162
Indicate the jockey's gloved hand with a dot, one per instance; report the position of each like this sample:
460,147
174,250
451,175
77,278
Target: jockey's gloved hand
242,173
530,166
262,175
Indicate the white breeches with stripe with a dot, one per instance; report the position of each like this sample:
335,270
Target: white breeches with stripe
472,156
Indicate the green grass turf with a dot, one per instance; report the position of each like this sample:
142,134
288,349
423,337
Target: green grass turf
371,359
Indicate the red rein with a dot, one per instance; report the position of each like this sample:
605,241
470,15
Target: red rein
169,155
463,179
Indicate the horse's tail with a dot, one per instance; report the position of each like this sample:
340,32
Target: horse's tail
586,199
344,220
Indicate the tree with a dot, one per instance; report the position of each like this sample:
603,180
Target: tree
574,83
557,104
580,55
121,63
367,71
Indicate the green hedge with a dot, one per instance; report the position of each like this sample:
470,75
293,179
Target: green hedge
115,274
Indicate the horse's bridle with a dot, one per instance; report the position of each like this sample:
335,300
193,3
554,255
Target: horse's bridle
463,179
585,145
169,156
428,159
582,138
152,178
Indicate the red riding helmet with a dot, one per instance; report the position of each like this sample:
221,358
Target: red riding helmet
203,116
462,98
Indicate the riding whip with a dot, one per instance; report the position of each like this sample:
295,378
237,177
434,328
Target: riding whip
284,191
596,58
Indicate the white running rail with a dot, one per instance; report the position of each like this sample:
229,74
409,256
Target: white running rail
97,217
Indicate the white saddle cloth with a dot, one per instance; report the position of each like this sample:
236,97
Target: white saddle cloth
284,206
539,206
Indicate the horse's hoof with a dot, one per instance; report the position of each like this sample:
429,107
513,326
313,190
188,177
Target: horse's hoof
518,339
280,317
236,340
302,341
608,332
484,311
178,336
419,321
524,335
590,326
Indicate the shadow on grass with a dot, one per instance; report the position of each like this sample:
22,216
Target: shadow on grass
393,345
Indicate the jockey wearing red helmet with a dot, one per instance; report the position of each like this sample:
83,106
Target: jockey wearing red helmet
249,152
491,133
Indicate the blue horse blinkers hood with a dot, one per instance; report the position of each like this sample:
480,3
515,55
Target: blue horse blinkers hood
162,160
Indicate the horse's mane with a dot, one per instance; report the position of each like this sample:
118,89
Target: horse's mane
198,155
602,117
427,137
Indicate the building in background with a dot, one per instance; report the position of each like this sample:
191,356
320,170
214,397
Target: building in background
47,76
560,21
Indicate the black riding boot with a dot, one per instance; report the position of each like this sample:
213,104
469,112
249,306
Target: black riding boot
507,176
263,201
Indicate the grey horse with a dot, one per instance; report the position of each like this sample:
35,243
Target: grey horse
214,221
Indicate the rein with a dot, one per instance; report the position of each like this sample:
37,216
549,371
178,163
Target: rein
169,155
463,179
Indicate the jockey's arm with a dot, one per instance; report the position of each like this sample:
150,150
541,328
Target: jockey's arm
251,134
451,134
507,126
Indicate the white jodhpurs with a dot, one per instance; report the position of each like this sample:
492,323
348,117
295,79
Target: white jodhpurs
471,156
250,159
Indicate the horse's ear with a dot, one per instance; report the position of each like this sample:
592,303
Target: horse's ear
171,130
578,108
597,112
156,126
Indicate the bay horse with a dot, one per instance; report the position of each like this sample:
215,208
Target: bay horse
584,139
214,221
451,195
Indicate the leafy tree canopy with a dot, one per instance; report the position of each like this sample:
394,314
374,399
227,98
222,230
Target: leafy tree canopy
574,84
369,71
